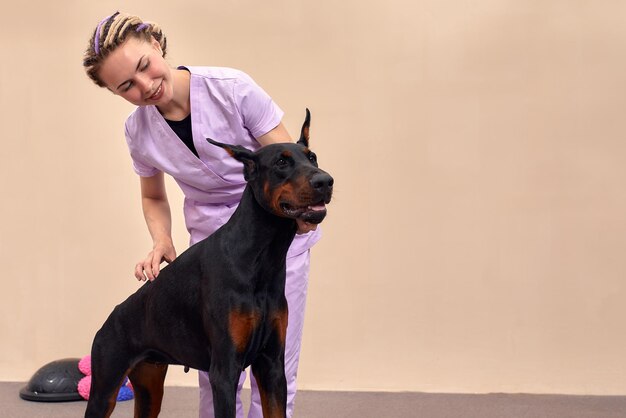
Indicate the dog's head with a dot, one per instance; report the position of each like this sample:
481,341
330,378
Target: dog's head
285,178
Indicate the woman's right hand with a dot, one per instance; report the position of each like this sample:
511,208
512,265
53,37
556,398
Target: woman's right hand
150,267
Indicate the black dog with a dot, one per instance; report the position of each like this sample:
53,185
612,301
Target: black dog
220,306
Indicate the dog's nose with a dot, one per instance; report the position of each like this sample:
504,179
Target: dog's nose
322,181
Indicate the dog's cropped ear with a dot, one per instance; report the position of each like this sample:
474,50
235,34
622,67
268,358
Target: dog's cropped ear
304,133
242,154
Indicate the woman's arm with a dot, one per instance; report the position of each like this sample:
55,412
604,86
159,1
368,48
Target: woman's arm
277,135
156,211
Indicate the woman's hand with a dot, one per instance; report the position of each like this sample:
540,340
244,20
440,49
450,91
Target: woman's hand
304,227
150,267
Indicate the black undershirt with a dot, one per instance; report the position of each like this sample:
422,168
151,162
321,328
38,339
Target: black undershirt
182,128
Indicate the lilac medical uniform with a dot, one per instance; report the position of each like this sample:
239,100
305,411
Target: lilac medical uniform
228,106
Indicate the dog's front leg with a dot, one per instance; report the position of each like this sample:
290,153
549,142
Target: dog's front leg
224,377
269,369
269,373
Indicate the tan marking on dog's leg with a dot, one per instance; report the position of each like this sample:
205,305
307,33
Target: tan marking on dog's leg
147,380
269,407
279,321
113,399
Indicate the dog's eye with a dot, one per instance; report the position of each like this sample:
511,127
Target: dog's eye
281,163
313,157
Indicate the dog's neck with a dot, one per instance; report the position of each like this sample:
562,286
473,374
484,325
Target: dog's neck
257,229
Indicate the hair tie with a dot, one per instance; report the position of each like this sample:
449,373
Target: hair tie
96,40
141,27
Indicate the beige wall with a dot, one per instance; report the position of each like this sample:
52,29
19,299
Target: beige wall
476,239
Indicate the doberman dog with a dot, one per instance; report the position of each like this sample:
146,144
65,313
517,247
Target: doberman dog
220,306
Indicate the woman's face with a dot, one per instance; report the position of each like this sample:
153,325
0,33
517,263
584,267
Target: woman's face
137,71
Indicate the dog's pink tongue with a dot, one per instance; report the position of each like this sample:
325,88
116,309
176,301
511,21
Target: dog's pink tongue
320,206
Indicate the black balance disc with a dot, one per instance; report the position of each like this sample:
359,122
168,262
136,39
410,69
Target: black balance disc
54,382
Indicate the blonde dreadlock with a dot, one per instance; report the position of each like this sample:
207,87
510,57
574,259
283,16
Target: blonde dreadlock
111,32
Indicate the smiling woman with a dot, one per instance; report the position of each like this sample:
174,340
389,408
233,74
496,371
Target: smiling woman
139,74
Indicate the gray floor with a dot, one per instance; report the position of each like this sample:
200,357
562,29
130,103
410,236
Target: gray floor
182,403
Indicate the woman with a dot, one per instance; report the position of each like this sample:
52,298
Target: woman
177,109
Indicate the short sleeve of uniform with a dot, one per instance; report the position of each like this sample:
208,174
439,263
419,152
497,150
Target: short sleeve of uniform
257,109
140,167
